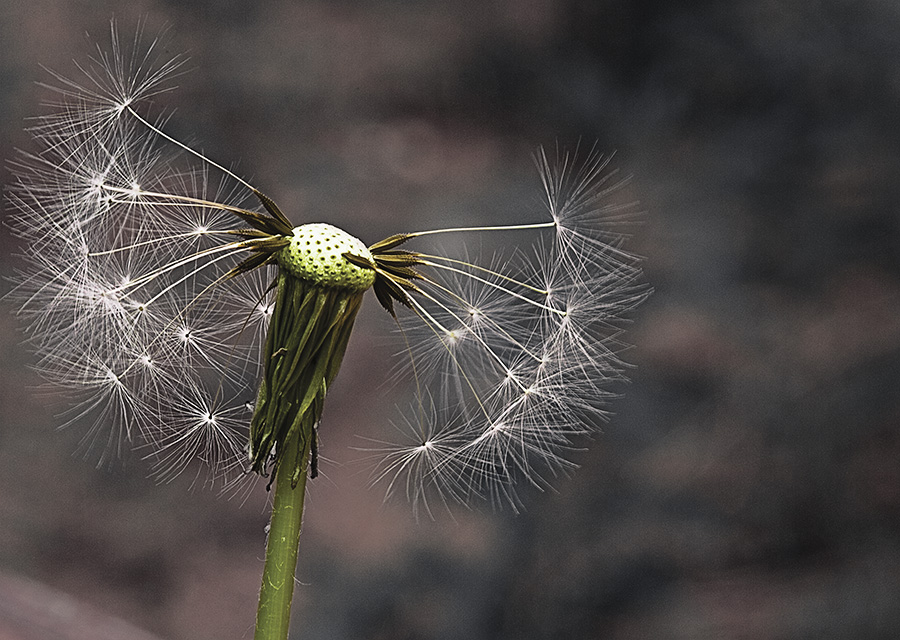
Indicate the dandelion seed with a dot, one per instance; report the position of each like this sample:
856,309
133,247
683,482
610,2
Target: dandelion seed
195,322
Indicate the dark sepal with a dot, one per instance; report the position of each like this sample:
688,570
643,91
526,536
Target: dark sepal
384,295
249,264
399,258
389,243
272,208
389,287
359,261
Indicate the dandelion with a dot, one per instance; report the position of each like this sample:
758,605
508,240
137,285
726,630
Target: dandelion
188,317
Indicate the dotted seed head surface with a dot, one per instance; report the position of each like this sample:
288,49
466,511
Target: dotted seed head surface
316,254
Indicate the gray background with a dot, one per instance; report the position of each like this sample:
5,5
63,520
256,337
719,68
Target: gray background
749,485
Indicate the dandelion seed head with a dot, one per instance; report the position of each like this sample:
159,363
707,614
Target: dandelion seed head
149,287
315,252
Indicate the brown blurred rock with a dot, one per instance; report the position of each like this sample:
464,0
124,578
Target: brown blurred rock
32,611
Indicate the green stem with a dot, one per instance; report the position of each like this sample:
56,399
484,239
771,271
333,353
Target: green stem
273,616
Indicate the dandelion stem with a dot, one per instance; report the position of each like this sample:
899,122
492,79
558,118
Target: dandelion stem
274,612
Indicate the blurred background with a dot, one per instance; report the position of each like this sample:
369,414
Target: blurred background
748,485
